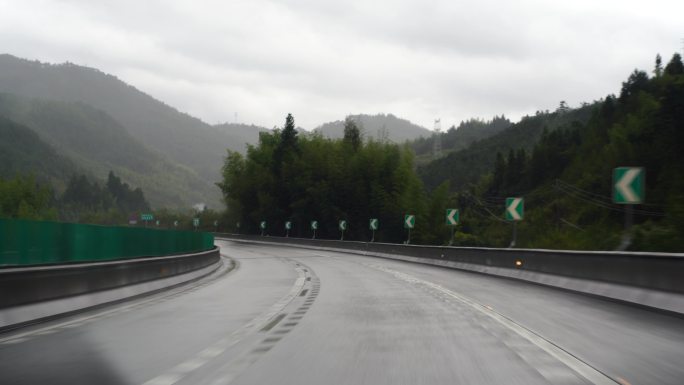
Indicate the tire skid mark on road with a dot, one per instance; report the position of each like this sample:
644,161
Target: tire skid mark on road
233,370
548,359
227,265
264,323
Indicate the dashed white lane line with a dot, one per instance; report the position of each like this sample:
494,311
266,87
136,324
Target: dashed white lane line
580,367
183,369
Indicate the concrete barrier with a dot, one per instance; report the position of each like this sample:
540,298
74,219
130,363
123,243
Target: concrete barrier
654,280
31,294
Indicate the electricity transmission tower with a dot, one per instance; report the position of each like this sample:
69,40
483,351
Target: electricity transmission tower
437,139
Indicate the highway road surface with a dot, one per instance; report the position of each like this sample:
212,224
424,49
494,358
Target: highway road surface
281,315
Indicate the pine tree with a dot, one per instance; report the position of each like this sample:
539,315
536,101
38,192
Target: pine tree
352,134
675,66
658,70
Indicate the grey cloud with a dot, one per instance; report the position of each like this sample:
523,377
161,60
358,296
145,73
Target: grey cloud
324,59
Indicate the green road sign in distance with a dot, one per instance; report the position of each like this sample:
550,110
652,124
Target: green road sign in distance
288,225
374,224
515,209
628,185
452,217
314,225
343,225
146,217
157,223
409,221
195,222
262,225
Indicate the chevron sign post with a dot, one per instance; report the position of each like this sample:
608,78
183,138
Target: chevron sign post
628,190
452,219
373,224
628,185
314,227
262,226
515,211
342,226
409,223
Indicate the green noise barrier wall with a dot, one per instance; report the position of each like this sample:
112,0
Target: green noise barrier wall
25,242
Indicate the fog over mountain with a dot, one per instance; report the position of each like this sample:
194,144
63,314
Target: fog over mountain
136,123
380,126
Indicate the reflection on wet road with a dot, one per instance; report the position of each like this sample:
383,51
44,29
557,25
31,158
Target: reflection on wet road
296,316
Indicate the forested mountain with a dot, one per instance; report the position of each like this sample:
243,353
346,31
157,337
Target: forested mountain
22,152
467,166
566,180
379,127
178,136
459,138
560,162
98,144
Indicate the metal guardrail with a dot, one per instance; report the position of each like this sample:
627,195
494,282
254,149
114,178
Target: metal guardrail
654,271
25,285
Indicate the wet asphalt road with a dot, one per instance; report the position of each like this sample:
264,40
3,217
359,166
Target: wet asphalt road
294,316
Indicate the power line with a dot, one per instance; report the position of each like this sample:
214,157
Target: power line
604,198
473,199
606,205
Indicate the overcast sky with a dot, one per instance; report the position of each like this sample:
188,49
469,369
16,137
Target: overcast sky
322,60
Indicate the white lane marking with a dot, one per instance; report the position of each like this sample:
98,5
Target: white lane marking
195,362
166,379
14,341
574,363
21,337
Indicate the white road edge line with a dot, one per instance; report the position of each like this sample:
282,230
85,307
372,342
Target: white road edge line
580,367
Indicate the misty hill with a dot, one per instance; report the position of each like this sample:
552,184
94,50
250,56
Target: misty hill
248,133
467,166
97,143
22,152
379,126
179,136
459,138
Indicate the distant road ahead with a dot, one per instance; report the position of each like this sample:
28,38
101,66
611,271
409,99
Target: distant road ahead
297,316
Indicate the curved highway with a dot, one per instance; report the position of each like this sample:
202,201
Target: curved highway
282,315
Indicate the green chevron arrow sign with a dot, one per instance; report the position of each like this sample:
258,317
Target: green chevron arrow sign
288,225
628,185
374,224
343,225
314,225
262,225
515,209
452,217
409,221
